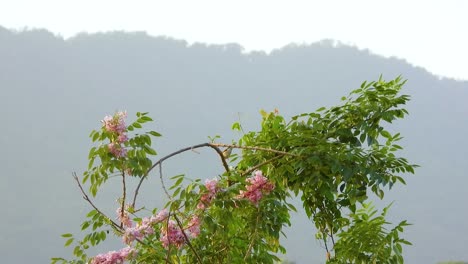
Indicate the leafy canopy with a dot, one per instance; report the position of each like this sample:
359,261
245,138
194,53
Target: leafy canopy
333,159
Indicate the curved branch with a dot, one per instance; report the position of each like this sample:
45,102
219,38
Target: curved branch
255,148
214,146
162,182
220,153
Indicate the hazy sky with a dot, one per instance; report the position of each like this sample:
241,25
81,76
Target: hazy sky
432,34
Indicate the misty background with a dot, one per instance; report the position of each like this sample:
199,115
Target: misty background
55,91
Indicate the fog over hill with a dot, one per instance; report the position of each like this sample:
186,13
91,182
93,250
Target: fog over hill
55,91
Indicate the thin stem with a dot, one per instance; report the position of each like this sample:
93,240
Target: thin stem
169,245
332,238
124,194
249,249
187,239
86,197
255,148
260,165
162,182
325,242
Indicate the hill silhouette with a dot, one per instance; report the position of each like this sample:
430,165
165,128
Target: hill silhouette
55,91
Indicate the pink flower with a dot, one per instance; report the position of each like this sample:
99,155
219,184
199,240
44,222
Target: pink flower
257,186
124,218
132,233
206,198
144,228
117,150
122,138
211,185
194,226
114,257
162,215
116,123
172,235
127,253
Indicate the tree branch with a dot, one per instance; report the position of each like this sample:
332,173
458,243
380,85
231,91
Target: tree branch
220,153
124,194
261,164
187,239
214,146
162,182
86,197
255,148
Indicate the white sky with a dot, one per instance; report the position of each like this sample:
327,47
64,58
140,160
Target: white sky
431,34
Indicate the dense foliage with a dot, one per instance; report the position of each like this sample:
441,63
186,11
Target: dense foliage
333,159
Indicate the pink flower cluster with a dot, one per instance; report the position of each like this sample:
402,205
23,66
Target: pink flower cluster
123,217
206,198
172,234
114,257
258,185
116,125
145,227
194,227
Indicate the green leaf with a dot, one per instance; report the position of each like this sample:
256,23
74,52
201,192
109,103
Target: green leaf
85,225
69,241
177,176
146,118
386,134
179,181
67,235
149,150
91,213
320,109
154,133
236,126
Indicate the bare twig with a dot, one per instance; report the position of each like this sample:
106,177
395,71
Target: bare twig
332,238
86,197
124,194
162,182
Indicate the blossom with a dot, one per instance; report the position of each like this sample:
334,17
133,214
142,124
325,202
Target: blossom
122,138
206,198
194,227
117,150
115,123
114,257
116,126
257,186
162,215
123,217
172,235
144,228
